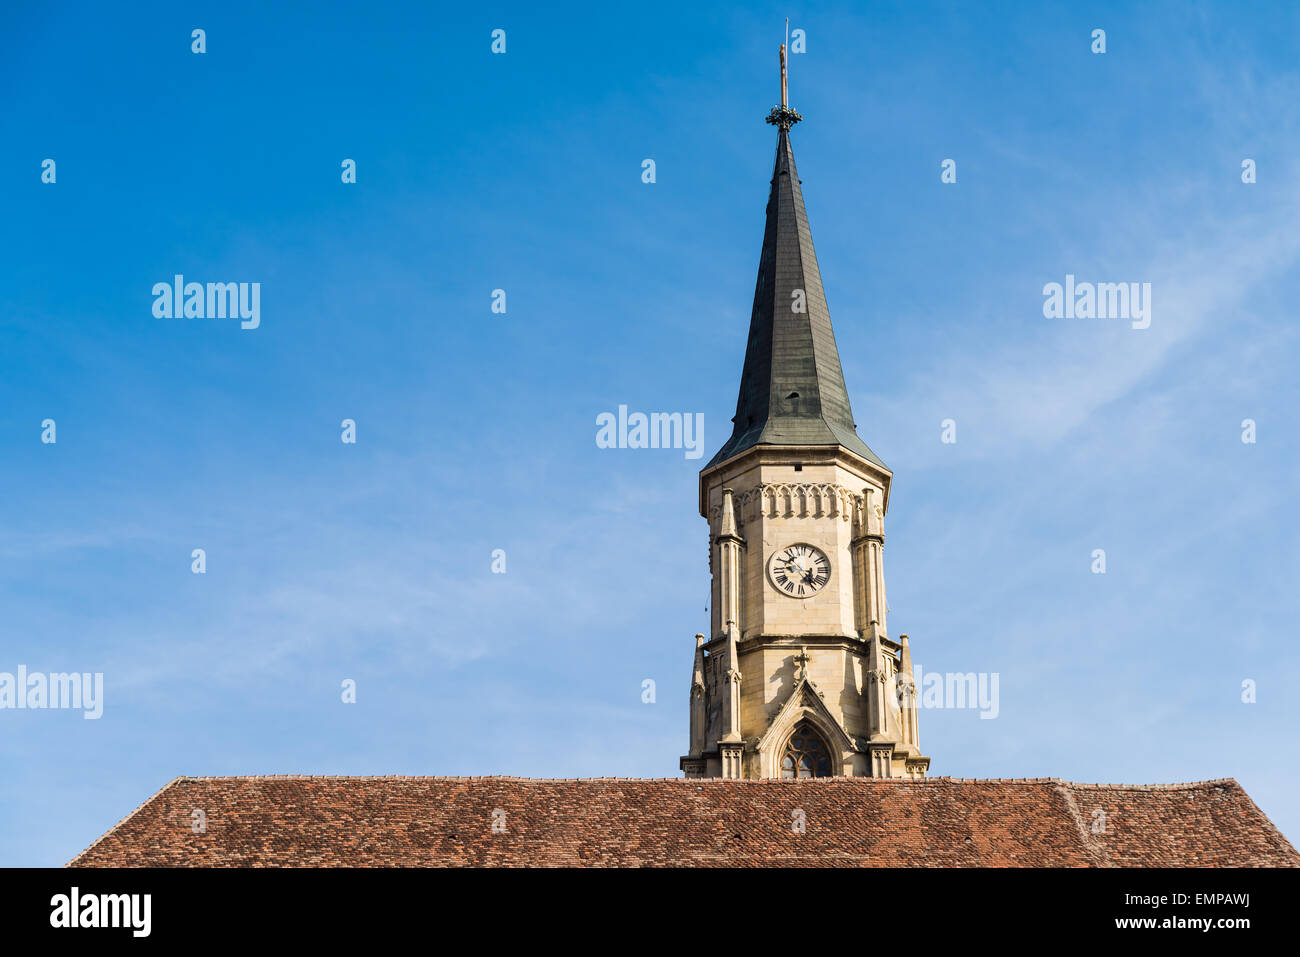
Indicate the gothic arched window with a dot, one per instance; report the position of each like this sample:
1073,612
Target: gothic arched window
805,754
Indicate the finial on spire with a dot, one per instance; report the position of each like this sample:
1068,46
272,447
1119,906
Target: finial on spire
782,116
785,99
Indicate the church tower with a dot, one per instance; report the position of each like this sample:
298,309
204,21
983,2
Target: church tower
798,676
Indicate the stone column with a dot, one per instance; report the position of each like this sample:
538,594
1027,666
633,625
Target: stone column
731,692
730,745
882,761
868,567
877,691
730,545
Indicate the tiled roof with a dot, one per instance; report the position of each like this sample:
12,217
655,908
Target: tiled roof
435,821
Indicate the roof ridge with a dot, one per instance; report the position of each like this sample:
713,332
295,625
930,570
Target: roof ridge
700,782
1171,786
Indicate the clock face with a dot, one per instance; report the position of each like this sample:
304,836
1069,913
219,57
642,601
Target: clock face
799,571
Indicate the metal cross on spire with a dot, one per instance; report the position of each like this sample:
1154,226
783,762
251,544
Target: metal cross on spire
783,116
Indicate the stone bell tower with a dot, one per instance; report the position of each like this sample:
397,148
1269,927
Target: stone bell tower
798,676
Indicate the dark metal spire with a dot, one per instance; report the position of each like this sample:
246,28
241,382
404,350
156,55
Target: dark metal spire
792,388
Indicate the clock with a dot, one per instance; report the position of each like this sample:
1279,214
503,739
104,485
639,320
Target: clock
799,571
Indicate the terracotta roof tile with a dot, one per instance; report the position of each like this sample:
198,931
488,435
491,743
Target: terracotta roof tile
309,820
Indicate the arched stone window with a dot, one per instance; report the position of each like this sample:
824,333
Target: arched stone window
805,754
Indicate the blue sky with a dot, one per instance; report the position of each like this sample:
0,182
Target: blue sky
476,431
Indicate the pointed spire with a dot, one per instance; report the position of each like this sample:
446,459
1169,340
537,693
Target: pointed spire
909,698
792,389
699,701
729,527
871,520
